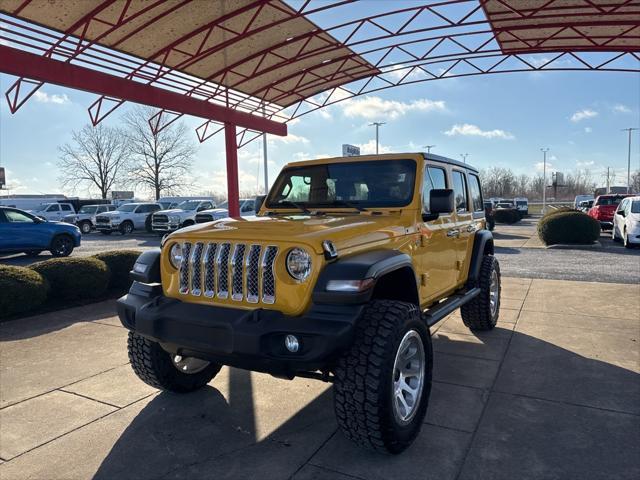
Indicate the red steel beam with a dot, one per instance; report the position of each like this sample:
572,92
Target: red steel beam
24,64
233,191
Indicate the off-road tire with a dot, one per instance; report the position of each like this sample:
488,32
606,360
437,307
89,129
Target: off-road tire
477,314
363,384
154,366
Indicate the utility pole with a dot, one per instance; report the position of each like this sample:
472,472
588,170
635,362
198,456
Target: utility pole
629,130
544,178
608,179
377,125
464,157
428,147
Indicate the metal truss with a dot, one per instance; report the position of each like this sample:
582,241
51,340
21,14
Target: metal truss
434,40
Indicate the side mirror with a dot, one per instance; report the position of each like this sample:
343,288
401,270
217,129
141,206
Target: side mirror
441,202
620,212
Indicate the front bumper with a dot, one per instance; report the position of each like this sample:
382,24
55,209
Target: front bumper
164,227
249,339
606,224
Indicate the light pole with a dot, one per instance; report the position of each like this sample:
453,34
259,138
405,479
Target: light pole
428,147
464,157
629,158
264,155
377,125
544,178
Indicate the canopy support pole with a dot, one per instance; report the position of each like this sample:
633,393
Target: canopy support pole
233,193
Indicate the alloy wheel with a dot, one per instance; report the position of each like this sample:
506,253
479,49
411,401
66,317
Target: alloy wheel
408,377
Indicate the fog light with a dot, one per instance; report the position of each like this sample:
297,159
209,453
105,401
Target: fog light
292,343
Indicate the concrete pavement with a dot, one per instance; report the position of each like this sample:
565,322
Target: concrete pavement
552,392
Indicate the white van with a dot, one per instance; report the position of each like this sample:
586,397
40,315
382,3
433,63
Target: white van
522,205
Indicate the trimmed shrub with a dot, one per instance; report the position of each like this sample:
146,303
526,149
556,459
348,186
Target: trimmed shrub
120,264
568,227
555,211
507,216
71,278
21,290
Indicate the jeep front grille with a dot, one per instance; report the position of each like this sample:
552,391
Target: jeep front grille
243,272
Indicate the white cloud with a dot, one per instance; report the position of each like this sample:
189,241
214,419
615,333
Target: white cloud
370,148
589,163
620,108
375,108
540,167
289,139
44,97
400,72
588,129
583,115
467,129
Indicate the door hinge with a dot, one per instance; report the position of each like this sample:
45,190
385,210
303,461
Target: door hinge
423,279
458,265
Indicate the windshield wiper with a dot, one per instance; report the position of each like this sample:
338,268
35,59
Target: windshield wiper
297,205
346,203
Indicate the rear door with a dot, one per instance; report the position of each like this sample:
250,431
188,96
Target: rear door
464,225
53,213
435,253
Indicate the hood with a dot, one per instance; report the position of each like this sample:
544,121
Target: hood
216,211
344,230
171,211
111,214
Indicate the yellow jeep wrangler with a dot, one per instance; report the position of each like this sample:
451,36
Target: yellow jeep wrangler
338,277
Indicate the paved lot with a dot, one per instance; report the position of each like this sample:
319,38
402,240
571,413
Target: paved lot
553,392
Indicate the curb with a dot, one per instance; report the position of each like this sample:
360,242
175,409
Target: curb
575,246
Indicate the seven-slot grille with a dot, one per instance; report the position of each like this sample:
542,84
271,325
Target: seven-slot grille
223,270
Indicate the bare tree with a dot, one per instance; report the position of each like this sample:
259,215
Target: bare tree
160,162
97,158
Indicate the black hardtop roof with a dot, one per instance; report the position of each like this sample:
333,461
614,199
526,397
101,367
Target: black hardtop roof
451,161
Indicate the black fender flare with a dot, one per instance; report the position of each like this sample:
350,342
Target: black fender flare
371,264
482,245
147,267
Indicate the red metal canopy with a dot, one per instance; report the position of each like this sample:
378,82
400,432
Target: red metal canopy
257,64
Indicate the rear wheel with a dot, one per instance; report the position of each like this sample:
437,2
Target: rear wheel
61,246
482,312
382,383
160,369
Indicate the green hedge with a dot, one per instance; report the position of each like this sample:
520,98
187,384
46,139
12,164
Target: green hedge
507,216
21,290
568,227
120,264
71,278
555,211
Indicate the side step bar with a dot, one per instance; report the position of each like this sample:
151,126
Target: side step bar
442,309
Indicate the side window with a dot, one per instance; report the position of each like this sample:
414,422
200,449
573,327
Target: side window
459,191
17,217
434,179
141,209
53,208
475,192
154,208
66,208
205,206
248,206
3,219
111,208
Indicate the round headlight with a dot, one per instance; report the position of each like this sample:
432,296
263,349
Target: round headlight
175,255
299,264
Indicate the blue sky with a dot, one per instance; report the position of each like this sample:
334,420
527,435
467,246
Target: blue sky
499,120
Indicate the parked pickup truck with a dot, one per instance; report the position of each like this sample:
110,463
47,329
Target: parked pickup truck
247,208
85,219
53,212
127,218
183,215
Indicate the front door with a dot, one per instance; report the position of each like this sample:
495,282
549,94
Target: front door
435,252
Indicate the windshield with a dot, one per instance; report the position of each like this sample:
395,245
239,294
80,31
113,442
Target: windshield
224,205
88,209
635,206
189,205
383,183
521,202
129,207
609,200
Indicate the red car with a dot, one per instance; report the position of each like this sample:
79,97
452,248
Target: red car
604,207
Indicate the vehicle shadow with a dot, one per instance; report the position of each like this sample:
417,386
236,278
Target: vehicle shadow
508,236
204,435
507,250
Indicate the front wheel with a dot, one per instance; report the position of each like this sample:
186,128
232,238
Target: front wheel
160,369
382,383
126,228
61,246
482,312
85,227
